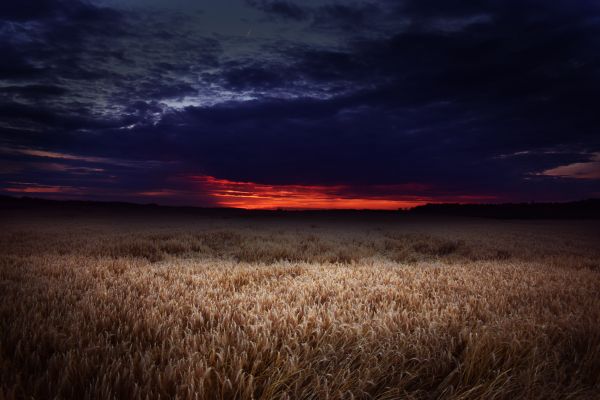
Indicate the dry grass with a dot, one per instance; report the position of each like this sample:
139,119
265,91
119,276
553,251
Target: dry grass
244,309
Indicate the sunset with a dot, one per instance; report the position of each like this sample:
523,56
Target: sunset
300,199
255,196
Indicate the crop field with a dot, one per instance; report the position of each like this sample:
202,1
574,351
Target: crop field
288,306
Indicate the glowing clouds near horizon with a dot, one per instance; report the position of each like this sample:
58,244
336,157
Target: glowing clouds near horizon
581,170
250,195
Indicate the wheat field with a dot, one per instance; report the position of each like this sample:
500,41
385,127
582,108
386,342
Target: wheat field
287,307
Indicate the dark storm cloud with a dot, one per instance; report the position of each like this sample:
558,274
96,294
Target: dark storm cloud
281,9
81,41
44,41
240,77
347,17
461,97
35,91
344,16
28,10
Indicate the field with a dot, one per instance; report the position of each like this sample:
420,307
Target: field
290,306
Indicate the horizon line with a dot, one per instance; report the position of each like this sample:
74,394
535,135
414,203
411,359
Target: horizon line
291,209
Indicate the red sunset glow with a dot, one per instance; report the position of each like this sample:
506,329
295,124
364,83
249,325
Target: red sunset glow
54,189
205,190
250,195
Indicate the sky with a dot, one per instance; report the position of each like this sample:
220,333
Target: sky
300,104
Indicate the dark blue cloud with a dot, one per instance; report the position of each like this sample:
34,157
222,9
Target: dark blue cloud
35,91
281,8
347,16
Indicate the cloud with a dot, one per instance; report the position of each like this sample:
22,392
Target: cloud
96,60
334,16
359,94
583,170
280,8
36,153
33,188
27,10
35,91
251,195
347,16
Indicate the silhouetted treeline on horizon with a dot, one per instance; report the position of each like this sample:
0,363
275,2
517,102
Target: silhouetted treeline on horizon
572,210
585,209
